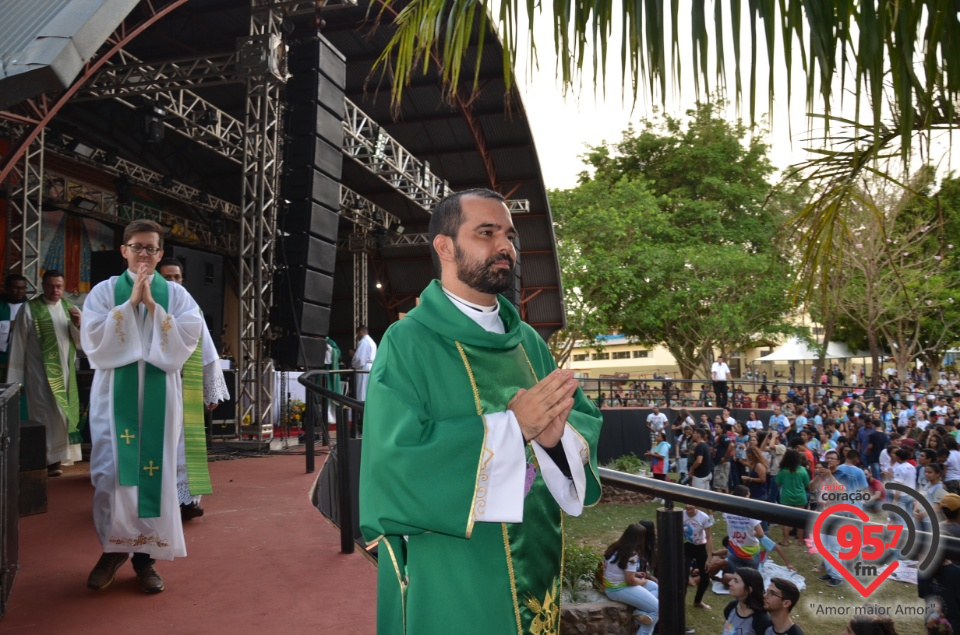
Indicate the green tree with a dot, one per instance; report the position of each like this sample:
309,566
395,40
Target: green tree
897,62
670,242
895,274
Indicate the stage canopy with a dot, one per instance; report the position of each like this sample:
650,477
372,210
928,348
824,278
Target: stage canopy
795,350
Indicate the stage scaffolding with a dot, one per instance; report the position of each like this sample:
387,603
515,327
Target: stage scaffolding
253,143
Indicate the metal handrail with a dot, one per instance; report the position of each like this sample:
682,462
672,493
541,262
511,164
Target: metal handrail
343,449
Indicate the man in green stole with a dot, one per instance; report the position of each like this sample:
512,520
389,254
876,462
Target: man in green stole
474,446
138,332
11,301
43,350
203,389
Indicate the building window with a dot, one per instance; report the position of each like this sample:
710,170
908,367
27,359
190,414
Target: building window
640,354
581,358
621,354
601,356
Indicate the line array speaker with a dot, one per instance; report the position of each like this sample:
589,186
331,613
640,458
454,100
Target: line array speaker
313,161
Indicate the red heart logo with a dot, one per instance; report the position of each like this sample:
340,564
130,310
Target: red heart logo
865,591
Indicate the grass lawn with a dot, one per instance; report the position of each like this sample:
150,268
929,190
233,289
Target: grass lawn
601,525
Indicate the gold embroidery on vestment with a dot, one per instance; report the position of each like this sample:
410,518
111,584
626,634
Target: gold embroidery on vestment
546,614
140,541
476,399
513,577
165,333
118,327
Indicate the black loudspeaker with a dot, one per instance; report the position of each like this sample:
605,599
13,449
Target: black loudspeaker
310,251
312,318
292,352
299,284
313,160
203,279
105,264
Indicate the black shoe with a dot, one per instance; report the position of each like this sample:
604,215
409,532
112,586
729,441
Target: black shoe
826,578
835,582
54,469
106,568
149,580
191,511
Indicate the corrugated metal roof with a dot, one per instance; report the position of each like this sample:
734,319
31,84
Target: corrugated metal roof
45,43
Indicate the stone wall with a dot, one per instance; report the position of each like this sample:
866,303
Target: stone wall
598,618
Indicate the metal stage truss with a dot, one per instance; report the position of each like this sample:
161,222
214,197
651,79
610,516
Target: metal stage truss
254,144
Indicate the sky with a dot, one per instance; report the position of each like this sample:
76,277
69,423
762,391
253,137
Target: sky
563,126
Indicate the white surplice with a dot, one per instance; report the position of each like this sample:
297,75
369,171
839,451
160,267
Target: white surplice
114,336
363,360
26,367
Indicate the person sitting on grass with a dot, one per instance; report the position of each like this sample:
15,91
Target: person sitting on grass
745,614
625,577
745,534
778,600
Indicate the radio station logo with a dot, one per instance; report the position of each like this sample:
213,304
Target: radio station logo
870,551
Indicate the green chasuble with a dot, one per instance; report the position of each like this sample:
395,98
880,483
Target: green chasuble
436,373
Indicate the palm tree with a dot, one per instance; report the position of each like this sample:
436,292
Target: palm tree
892,56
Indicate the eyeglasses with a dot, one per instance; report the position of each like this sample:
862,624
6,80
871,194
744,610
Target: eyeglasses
776,595
137,248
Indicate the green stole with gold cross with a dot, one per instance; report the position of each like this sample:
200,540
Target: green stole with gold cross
140,455
65,395
535,556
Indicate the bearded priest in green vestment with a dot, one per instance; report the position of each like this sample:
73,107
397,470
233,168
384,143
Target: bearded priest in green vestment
474,446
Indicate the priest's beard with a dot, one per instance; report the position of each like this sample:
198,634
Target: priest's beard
483,276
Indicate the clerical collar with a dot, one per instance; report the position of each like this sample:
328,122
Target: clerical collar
488,318
476,307
51,303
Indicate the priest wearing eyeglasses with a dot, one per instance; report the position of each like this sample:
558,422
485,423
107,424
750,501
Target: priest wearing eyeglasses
138,330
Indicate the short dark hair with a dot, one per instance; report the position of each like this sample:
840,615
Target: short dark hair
14,277
741,490
142,225
447,217
51,273
170,262
788,591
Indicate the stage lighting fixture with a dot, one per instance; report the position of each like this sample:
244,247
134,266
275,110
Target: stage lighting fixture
396,228
122,183
166,181
82,149
84,204
217,226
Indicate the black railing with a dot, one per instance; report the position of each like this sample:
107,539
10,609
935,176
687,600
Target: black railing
670,532
687,393
346,429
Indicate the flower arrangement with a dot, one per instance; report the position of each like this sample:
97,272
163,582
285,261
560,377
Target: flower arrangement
296,411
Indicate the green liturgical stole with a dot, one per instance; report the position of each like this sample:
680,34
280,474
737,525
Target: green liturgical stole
65,395
194,432
140,440
536,589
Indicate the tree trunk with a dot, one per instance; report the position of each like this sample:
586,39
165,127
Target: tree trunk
874,357
827,334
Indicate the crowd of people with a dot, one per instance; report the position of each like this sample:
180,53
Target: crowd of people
804,451
754,390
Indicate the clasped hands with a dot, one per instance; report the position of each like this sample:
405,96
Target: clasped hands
542,410
141,290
